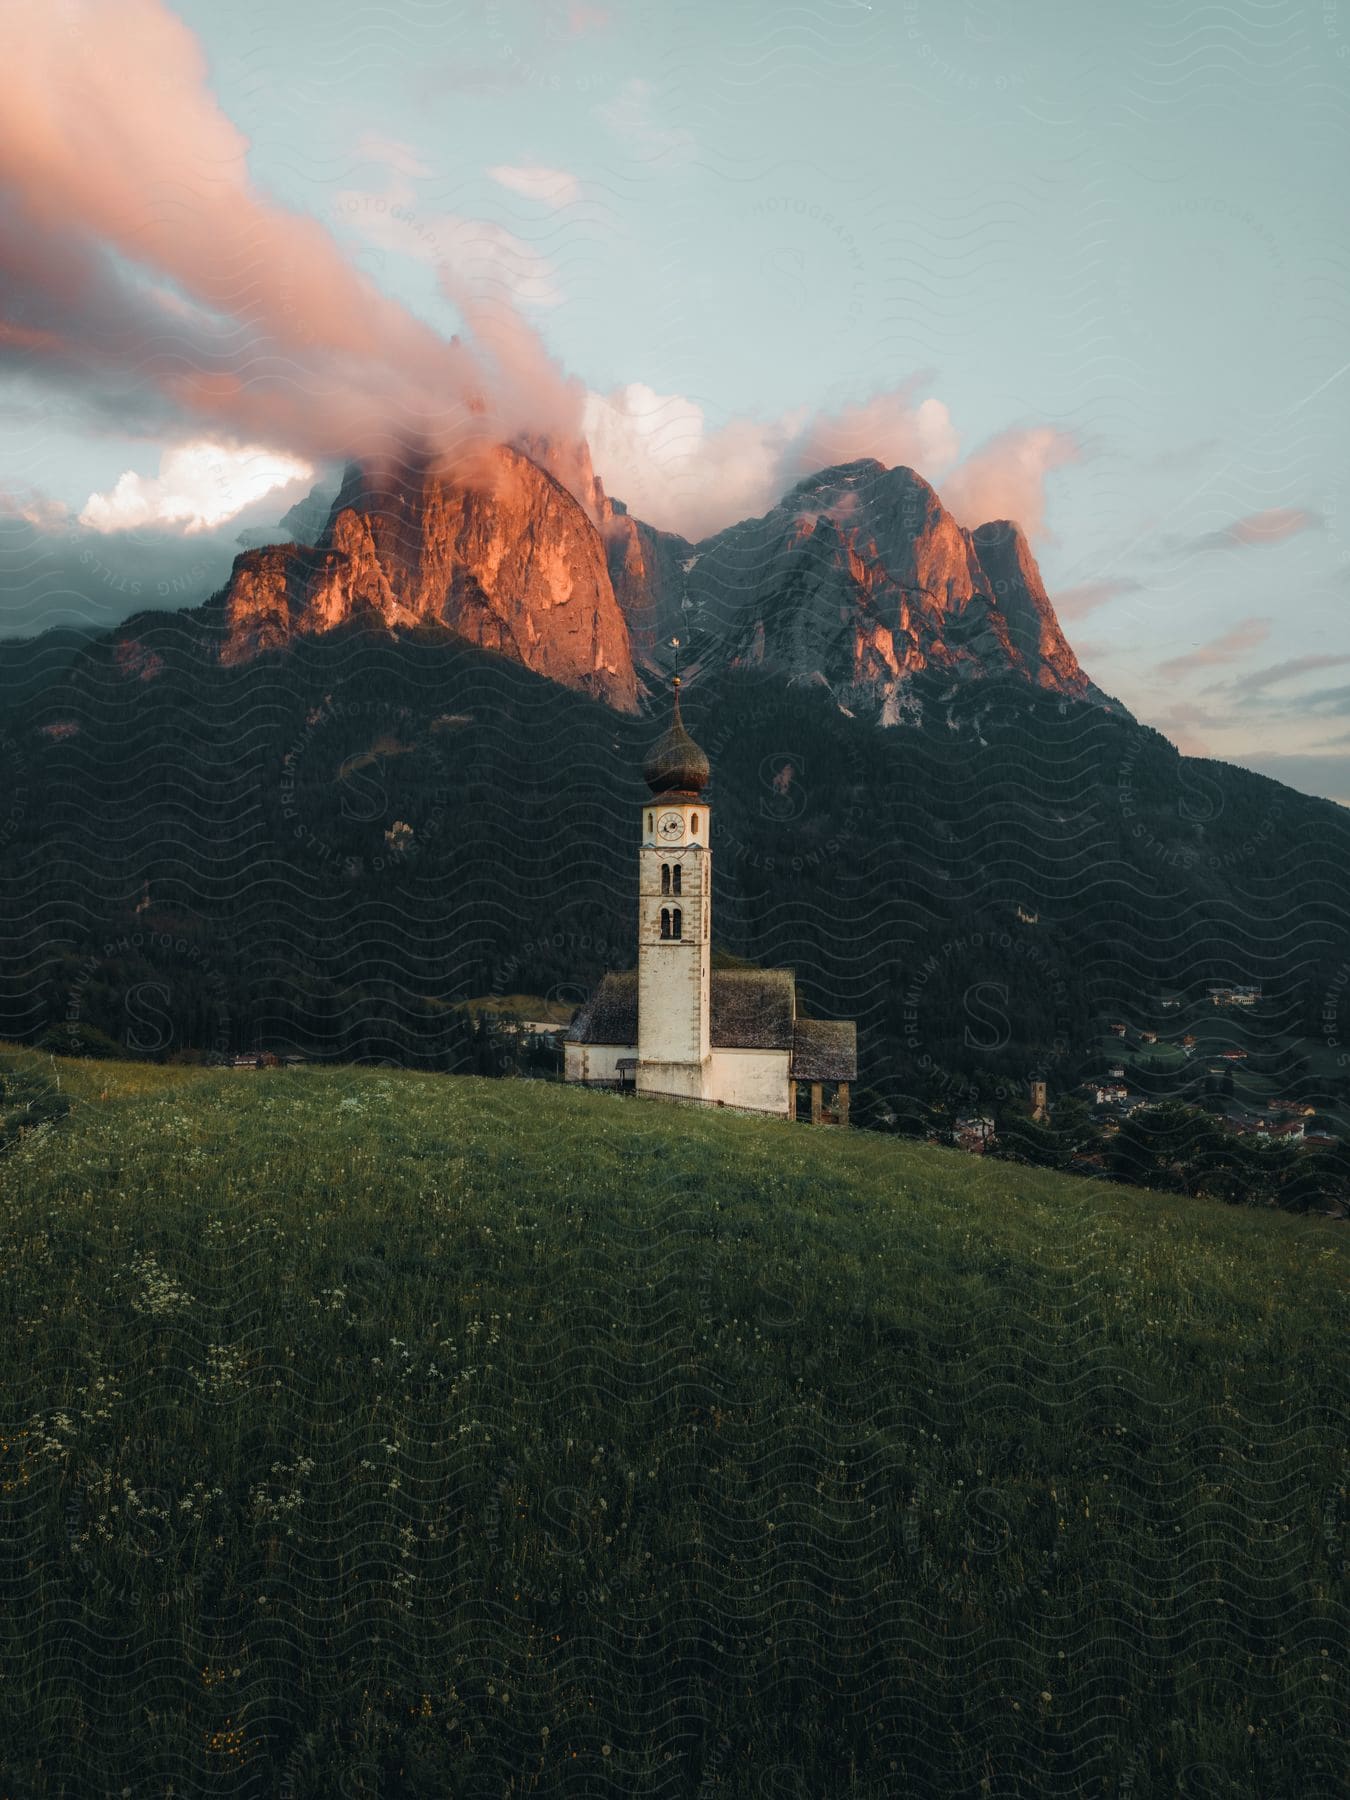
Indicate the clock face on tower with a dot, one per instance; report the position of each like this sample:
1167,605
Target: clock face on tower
670,825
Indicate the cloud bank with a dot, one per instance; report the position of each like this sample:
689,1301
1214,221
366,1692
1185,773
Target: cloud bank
654,452
155,284
148,274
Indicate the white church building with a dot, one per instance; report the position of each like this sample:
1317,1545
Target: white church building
675,1026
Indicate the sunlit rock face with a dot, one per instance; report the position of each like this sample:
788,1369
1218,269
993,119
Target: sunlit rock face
858,577
859,573
499,552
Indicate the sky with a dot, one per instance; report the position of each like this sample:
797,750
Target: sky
1084,267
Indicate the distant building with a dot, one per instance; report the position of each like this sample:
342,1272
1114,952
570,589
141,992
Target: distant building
1040,1111
1118,1027
1148,1037
1028,918
974,1134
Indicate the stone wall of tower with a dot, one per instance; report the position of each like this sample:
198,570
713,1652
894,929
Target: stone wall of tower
674,973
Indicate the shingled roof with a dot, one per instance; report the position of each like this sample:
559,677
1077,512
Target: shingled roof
824,1050
750,1009
610,1015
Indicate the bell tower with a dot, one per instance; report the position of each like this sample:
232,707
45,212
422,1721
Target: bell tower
674,917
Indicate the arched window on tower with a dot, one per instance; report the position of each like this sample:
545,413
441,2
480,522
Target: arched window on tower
665,921
677,923
665,878
693,824
675,880
649,821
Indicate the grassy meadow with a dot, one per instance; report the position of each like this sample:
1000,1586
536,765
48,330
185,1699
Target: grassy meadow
369,1433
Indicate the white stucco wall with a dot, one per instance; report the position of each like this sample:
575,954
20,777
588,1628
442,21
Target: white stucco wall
594,1062
757,1078
688,1080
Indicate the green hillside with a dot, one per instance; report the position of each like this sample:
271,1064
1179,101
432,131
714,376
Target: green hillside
369,1432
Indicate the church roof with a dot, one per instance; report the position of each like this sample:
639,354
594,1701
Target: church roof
824,1050
750,1009
675,764
610,1015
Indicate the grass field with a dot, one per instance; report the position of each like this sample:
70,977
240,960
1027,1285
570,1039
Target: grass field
368,1433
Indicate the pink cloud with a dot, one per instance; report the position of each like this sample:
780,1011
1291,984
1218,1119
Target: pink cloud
1077,602
654,452
1249,634
1005,478
581,19
152,278
226,306
891,427
1270,527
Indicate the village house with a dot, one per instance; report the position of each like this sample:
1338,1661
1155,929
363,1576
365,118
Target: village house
1118,1027
676,1027
973,1134
1285,1131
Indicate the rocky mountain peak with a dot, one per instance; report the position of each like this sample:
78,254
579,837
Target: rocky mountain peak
858,576
862,574
497,550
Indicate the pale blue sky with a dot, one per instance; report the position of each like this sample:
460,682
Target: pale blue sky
1125,224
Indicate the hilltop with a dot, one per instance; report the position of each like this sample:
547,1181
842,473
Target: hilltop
385,1433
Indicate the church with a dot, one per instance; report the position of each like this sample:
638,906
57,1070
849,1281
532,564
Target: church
676,1027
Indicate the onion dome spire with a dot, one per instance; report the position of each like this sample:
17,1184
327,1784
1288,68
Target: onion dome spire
675,764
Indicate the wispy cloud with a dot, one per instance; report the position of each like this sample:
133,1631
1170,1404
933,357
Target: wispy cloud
372,146
631,116
477,254
1259,528
1228,647
1004,478
1077,602
1260,679
550,187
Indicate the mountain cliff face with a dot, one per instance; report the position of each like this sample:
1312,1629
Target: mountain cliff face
859,576
507,559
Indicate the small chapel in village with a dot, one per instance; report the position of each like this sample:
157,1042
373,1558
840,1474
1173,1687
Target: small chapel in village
677,1027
